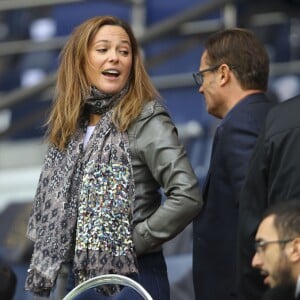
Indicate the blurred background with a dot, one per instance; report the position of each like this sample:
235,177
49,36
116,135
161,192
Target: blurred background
171,34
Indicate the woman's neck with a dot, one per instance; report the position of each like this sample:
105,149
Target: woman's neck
93,119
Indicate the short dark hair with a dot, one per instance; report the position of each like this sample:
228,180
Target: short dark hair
244,53
287,217
8,282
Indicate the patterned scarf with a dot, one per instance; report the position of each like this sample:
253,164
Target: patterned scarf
99,103
84,198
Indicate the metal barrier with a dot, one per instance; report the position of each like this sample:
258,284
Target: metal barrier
108,279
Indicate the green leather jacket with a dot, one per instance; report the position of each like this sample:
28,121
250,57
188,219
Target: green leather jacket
159,160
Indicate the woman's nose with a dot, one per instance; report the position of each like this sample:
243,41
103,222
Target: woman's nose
113,56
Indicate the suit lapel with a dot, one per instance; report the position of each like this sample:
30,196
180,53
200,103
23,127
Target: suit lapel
214,146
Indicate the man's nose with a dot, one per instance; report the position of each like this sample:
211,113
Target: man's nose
256,261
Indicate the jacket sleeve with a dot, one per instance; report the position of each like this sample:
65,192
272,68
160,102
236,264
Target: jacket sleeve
159,148
253,202
242,133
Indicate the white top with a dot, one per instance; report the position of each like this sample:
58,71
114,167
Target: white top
298,287
88,134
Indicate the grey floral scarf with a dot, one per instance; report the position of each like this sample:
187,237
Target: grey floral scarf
82,210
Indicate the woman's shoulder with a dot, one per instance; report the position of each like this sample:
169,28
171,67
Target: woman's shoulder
152,108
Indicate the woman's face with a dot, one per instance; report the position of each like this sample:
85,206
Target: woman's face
110,59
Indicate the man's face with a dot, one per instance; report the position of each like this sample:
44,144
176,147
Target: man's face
210,90
271,258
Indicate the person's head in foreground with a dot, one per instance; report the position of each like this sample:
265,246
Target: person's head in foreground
277,245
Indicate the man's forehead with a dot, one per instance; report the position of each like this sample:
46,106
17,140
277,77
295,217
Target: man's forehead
203,60
267,229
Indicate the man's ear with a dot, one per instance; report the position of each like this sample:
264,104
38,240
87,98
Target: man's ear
294,250
224,74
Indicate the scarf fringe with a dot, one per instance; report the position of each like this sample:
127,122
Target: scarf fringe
38,284
121,265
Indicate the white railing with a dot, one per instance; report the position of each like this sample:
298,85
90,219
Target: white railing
107,280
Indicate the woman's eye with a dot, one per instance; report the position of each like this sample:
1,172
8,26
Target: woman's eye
124,52
101,50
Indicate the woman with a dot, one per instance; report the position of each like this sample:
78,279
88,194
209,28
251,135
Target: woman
112,146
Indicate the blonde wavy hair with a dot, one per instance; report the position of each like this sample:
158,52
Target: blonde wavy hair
72,85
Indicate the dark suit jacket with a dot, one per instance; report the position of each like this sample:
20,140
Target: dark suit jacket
274,175
283,292
214,254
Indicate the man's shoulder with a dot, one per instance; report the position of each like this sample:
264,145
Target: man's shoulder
286,106
254,103
251,110
284,116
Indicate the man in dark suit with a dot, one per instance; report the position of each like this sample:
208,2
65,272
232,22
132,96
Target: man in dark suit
273,175
233,77
277,246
